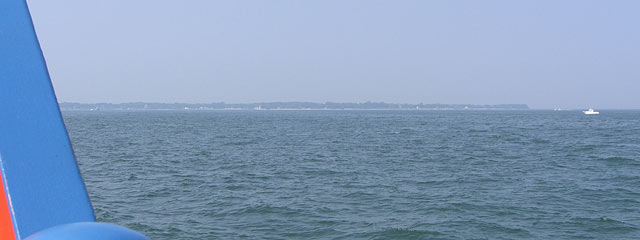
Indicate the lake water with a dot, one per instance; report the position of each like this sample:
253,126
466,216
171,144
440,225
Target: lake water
363,174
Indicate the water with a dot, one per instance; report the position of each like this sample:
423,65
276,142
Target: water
363,174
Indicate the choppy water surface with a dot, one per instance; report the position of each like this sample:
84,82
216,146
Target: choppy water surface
363,174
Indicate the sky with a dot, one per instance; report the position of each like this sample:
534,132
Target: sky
544,53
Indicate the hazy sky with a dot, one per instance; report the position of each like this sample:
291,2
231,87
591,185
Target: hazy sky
568,54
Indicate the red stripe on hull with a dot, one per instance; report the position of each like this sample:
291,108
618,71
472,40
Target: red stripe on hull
6,225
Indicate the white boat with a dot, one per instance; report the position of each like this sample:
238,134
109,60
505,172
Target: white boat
591,112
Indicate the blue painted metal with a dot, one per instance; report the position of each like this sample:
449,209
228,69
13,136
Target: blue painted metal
45,195
42,180
86,231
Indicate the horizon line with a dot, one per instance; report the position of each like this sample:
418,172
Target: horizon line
325,102
329,102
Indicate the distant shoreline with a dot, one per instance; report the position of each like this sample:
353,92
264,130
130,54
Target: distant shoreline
70,106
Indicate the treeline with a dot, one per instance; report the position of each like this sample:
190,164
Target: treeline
284,106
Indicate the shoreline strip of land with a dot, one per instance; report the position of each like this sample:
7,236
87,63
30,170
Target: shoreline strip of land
71,106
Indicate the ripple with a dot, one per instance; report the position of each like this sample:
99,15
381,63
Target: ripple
362,174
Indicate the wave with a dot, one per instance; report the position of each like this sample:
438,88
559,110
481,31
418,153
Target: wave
620,160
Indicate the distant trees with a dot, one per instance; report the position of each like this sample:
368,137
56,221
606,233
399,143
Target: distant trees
284,105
